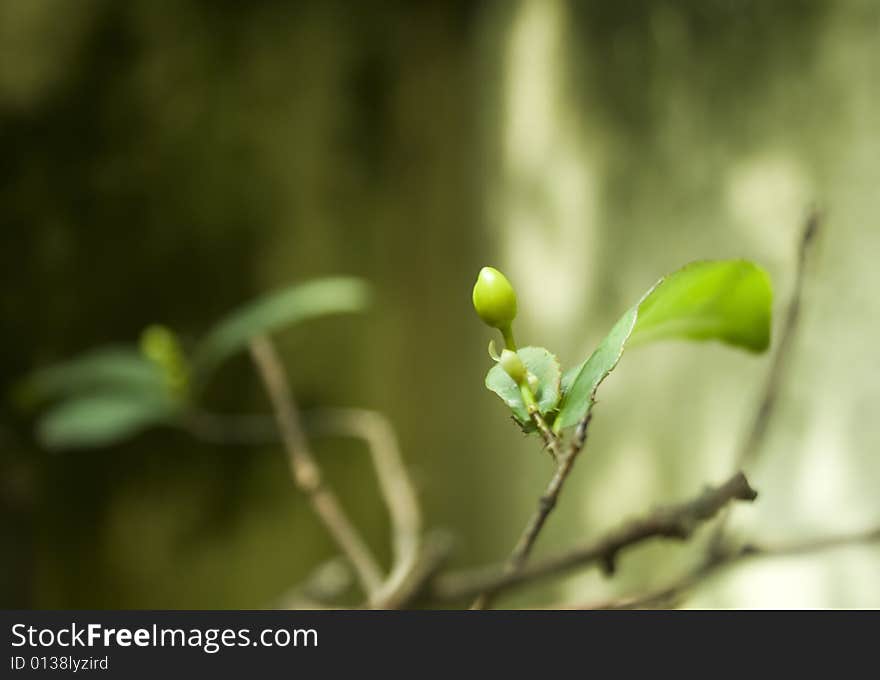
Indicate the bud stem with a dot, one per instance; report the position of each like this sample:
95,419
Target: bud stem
509,342
528,397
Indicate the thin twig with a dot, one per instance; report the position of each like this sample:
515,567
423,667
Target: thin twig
545,506
778,368
233,429
395,486
674,522
321,589
436,550
548,501
779,365
305,471
675,592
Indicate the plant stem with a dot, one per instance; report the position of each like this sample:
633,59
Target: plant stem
528,397
509,342
546,503
551,441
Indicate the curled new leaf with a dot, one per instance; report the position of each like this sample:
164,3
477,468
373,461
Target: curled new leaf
724,300
544,367
514,367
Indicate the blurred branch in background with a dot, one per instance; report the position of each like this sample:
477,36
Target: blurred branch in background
395,485
305,471
781,358
778,369
673,594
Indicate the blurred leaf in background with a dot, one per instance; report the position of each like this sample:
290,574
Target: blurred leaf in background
102,420
118,369
273,312
111,394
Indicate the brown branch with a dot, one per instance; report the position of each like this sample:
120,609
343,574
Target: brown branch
675,522
305,471
551,440
675,592
546,503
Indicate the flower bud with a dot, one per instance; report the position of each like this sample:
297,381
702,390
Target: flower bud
494,298
513,366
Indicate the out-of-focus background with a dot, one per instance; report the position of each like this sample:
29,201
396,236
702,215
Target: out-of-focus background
167,161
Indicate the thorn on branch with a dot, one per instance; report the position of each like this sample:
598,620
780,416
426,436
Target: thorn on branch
608,564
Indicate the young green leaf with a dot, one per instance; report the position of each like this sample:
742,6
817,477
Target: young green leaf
725,300
274,311
101,420
545,367
728,301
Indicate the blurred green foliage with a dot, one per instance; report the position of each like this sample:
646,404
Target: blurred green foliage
111,395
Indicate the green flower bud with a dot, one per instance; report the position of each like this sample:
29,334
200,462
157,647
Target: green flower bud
513,366
494,298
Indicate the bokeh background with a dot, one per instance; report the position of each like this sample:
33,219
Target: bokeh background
166,161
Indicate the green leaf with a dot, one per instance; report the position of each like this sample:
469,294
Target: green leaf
726,300
545,367
276,310
101,420
579,383
121,369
